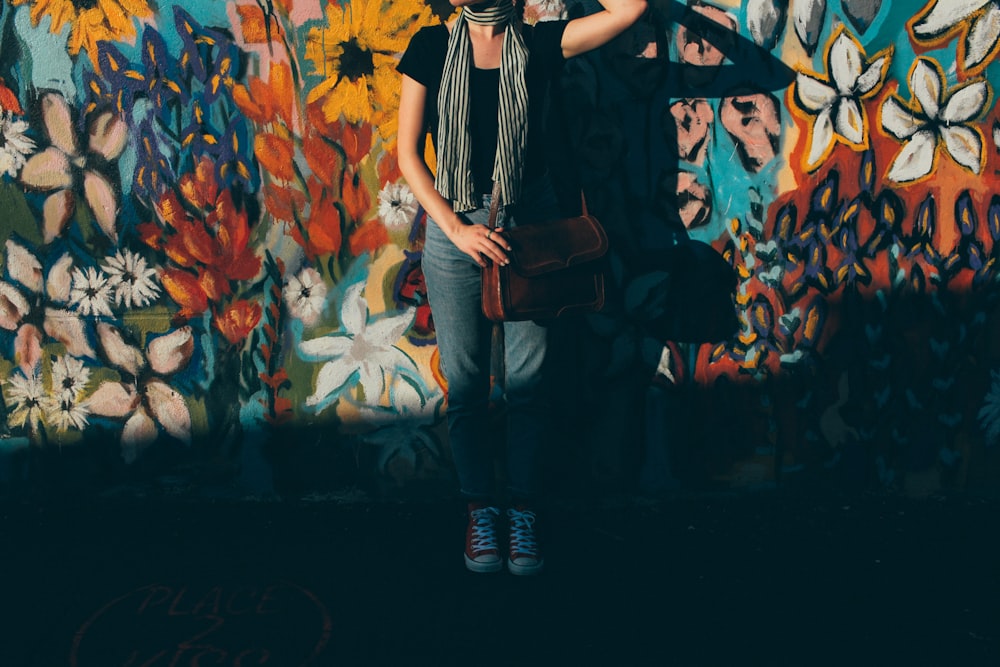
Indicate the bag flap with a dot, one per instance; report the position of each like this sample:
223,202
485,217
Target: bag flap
557,244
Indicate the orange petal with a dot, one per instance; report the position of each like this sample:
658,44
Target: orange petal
185,290
213,284
283,203
283,90
9,101
356,140
323,228
248,105
356,197
276,154
253,26
238,320
324,160
369,237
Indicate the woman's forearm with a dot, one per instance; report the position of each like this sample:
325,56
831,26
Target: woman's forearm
421,182
410,142
590,32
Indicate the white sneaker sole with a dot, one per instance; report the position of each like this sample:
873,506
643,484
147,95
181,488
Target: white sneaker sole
525,570
483,568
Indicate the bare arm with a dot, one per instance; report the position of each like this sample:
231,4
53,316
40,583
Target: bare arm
590,32
470,239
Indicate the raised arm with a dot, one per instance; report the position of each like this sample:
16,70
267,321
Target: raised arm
596,30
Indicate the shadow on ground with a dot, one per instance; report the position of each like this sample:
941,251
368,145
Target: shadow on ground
750,580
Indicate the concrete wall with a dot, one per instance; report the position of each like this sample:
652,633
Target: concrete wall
211,277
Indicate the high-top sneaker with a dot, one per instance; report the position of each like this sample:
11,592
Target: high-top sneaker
525,556
481,551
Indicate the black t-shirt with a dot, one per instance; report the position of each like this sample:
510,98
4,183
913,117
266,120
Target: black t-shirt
423,62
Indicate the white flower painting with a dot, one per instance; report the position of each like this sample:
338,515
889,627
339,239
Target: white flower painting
935,114
361,353
836,99
980,24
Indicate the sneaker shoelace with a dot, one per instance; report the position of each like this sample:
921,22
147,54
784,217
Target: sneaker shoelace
484,534
522,532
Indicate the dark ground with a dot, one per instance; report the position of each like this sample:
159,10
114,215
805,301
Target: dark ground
759,579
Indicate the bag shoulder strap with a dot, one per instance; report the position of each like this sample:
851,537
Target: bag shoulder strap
494,204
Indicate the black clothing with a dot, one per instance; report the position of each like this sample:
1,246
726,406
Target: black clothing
423,62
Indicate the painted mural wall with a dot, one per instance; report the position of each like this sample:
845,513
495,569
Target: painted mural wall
211,267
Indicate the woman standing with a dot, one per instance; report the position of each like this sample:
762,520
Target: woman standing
478,86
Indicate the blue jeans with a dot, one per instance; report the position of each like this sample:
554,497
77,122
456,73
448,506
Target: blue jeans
464,339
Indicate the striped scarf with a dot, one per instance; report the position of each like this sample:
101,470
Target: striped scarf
454,173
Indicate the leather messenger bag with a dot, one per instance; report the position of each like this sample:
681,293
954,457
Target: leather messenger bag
556,268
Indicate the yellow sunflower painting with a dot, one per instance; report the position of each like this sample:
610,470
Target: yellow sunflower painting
356,54
91,21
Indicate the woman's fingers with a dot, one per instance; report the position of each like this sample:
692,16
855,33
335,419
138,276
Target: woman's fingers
487,244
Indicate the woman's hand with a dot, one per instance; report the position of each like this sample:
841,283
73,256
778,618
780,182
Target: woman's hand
482,243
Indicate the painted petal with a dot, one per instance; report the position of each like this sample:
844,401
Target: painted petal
386,331
354,310
28,348
327,347
108,135
48,170
170,409
59,123
916,160
861,13
13,307
965,145
60,279
117,351
925,82
965,103
103,203
946,13
982,38
172,352
822,138
113,399
372,380
765,18
850,121
899,121
846,63
330,381
139,433
68,329
813,94
56,212
871,76
24,267
808,17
